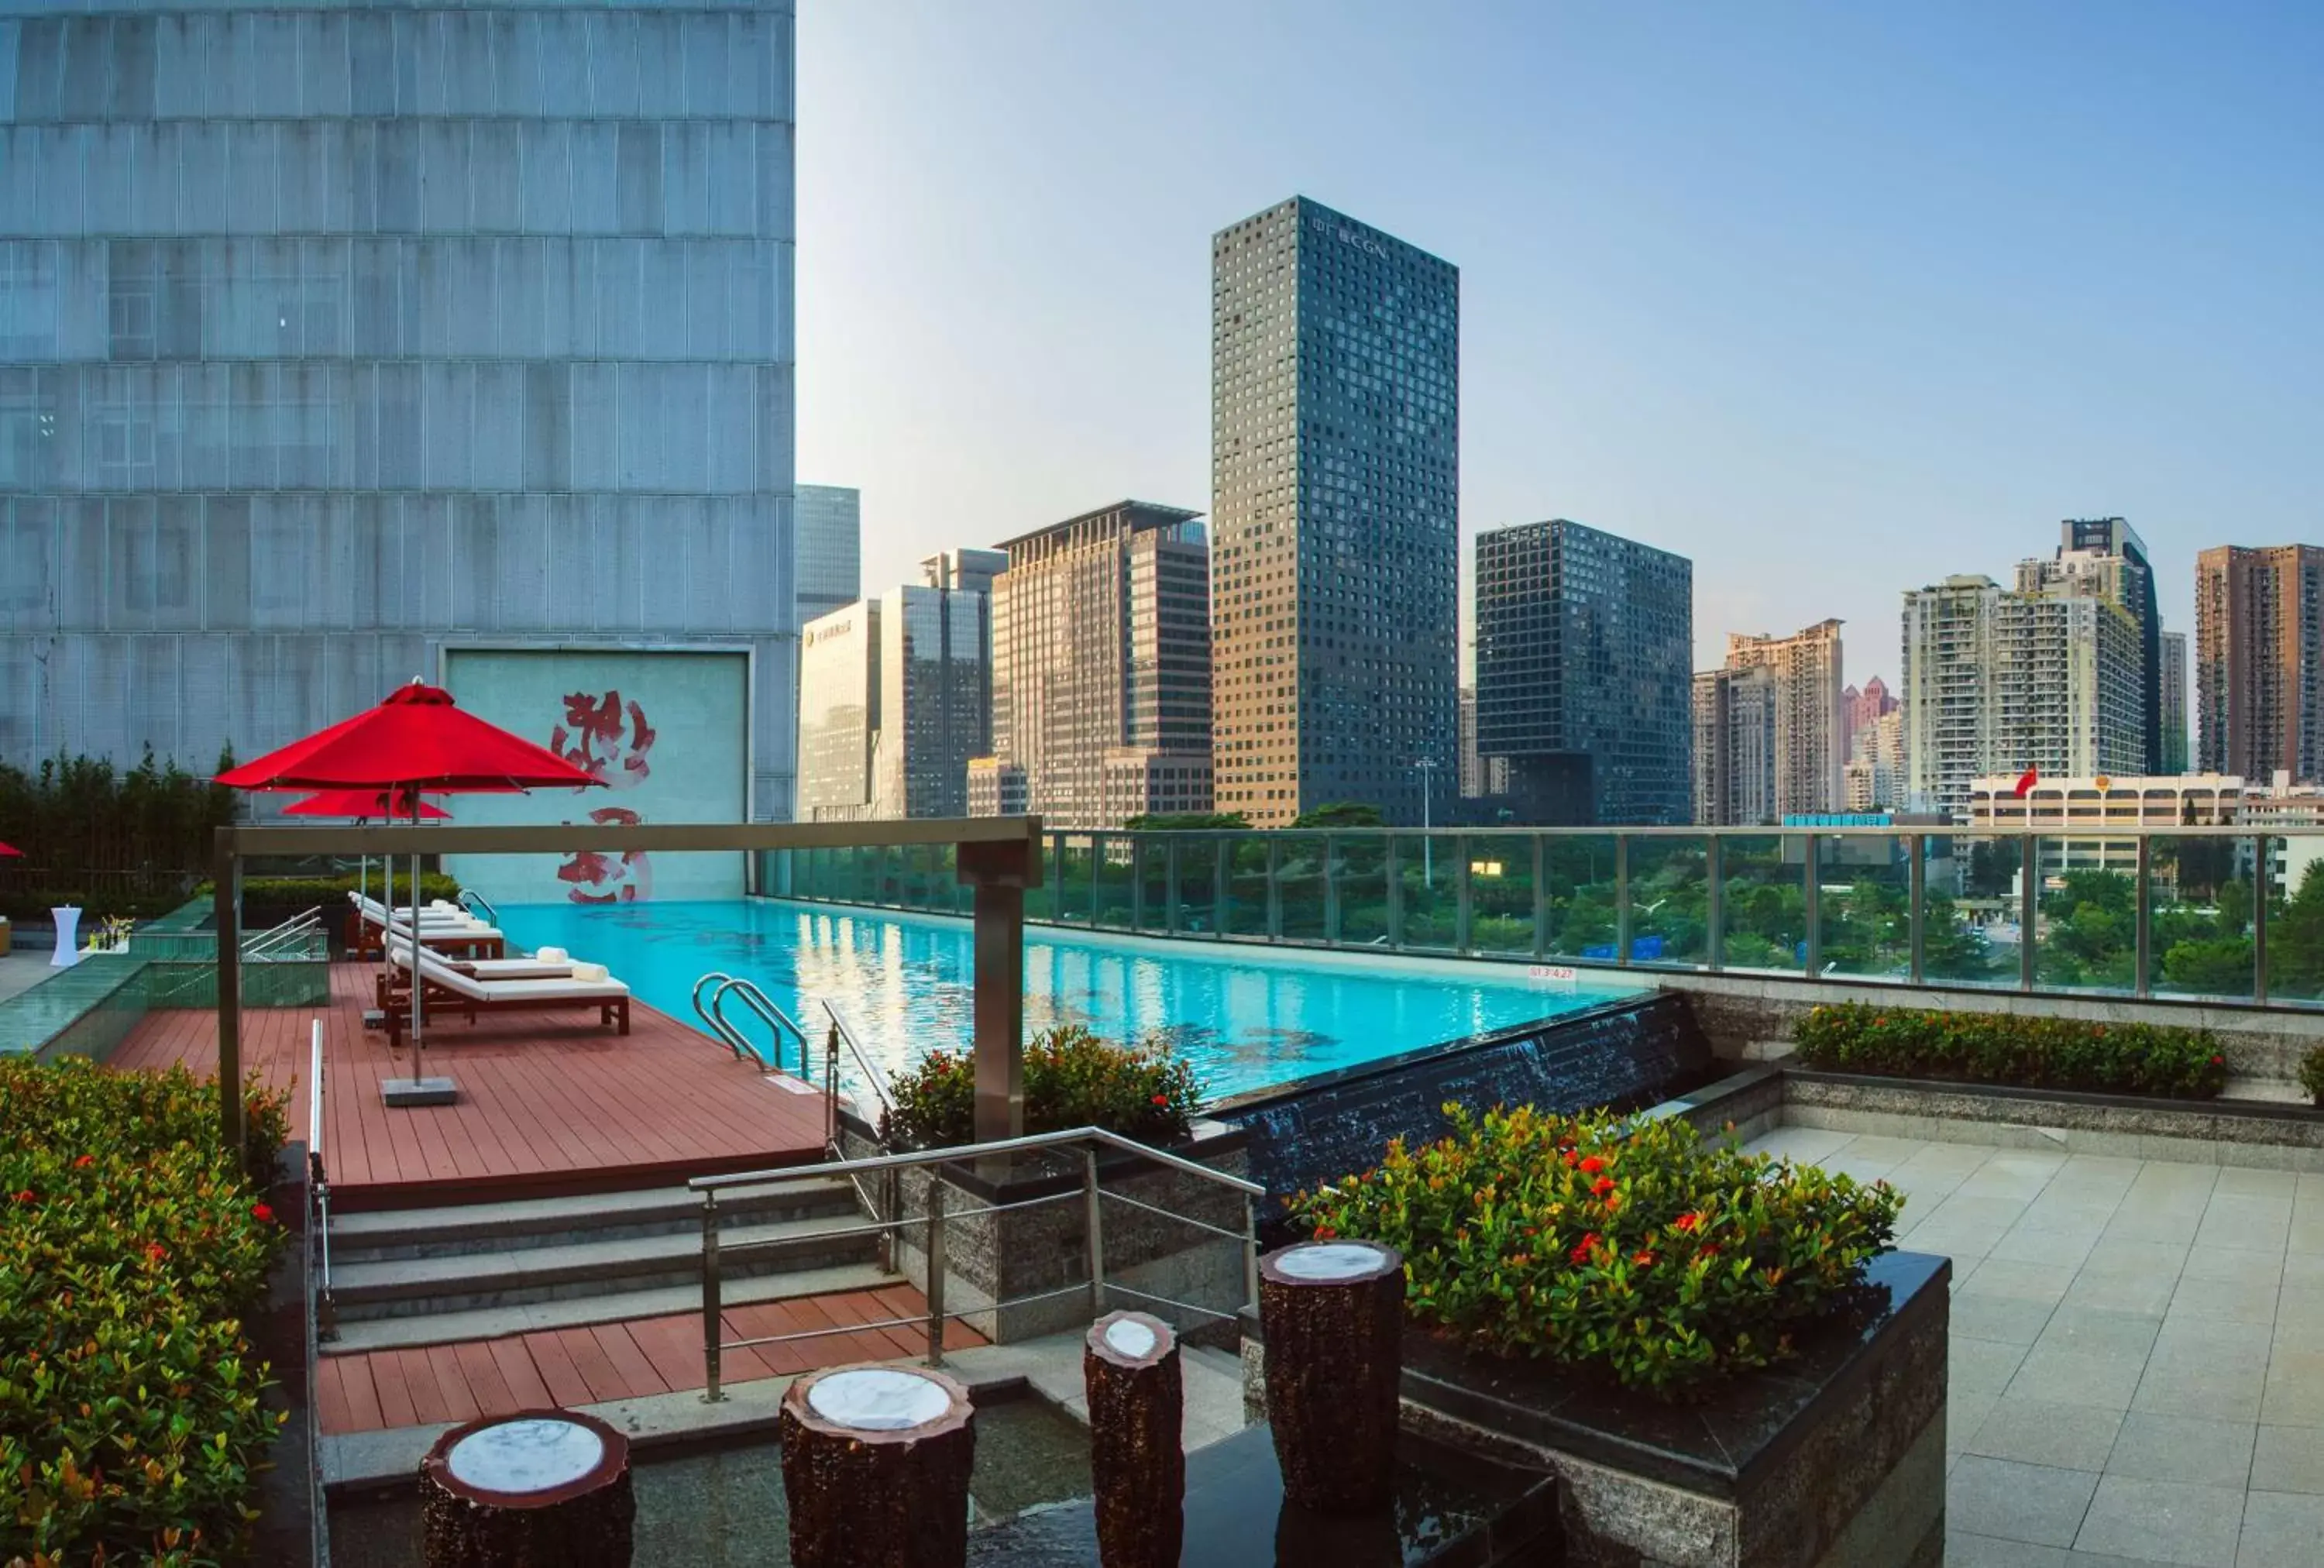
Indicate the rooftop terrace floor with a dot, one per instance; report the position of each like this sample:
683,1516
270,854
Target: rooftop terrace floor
2138,1350
549,1102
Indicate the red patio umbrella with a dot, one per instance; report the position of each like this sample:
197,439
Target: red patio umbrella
7,849
417,740
362,806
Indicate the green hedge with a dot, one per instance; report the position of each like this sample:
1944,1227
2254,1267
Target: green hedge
2031,1053
331,892
1630,1251
97,902
131,1250
1072,1079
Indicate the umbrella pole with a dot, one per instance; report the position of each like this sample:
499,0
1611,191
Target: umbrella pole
418,1089
418,988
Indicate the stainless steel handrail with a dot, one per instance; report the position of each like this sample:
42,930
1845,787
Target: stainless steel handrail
299,924
716,1024
320,1181
775,1018
871,1074
1089,1139
467,894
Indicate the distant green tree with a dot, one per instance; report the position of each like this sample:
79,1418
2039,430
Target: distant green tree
1340,814
2235,900
2221,966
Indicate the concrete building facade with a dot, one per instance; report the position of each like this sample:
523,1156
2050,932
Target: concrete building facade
2173,707
1335,499
1102,667
1736,720
2259,661
1585,673
1800,761
337,339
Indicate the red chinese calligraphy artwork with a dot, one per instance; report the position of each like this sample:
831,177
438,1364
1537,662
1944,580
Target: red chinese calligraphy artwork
611,739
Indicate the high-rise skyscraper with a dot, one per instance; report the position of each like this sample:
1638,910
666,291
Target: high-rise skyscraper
2103,556
1768,727
2259,661
1335,366
895,698
1101,669
827,536
2045,677
335,339
1584,673
2174,706
972,569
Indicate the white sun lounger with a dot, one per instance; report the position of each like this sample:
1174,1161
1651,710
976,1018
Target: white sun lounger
448,990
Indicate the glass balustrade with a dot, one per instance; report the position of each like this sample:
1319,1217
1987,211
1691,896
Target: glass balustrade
2195,915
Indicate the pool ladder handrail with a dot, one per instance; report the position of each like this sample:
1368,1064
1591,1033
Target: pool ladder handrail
477,904
714,1016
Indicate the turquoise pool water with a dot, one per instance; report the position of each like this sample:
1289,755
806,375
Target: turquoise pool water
1246,1016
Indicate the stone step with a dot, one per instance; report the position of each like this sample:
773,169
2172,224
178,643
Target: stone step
460,1229
519,1276
387,1333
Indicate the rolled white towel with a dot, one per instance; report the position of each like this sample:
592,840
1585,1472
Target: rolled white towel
554,955
591,973
442,904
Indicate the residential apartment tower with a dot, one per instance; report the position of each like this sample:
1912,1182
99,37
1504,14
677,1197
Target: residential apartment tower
2259,661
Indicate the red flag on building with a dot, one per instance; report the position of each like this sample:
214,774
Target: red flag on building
2025,782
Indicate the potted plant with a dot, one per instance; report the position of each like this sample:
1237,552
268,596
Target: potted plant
2311,1074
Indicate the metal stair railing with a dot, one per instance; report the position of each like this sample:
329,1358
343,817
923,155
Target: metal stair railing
1089,1139
262,946
481,905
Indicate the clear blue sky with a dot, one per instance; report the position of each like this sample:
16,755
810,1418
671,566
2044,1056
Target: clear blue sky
1834,299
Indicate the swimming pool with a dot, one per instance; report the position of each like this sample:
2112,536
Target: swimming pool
1247,1018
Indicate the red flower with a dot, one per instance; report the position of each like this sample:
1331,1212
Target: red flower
1325,1232
262,1213
1687,1221
1602,1185
1581,1253
1571,1158
1710,1249
2219,1061
1592,1165
28,1197
1161,1100
155,1252
1644,1259
86,1160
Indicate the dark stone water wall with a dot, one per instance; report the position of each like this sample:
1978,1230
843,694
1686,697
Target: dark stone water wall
1320,1129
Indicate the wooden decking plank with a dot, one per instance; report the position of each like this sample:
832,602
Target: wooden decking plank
553,1362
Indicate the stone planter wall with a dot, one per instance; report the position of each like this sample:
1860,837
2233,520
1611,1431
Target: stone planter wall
997,1253
1834,1460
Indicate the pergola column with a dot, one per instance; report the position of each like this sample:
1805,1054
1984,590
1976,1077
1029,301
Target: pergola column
1000,874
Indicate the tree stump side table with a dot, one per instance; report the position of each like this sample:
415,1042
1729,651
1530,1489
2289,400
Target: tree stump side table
1138,1458
875,1466
1331,1313
528,1490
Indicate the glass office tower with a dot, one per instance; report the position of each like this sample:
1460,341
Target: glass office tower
1335,421
335,338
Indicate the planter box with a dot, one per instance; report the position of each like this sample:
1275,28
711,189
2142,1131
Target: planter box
1836,1460
997,1252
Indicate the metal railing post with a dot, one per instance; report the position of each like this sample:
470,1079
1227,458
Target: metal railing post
1330,889
935,1291
1274,888
1219,889
710,1294
1540,896
2145,912
1714,903
1250,1251
1462,894
1622,898
1916,883
1393,889
1136,882
1170,882
2029,909
1097,878
2259,917
1092,1204
1811,949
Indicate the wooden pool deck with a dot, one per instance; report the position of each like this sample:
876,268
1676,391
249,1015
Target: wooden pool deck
549,1103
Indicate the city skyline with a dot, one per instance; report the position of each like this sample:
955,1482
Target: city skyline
1699,335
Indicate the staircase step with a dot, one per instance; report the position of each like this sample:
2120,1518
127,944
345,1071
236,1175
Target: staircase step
522,1276
387,1333
537,1223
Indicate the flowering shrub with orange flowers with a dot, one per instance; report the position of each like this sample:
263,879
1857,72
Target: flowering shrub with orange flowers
2030,1052
1073,1079
131,1249
1626,1247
